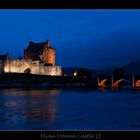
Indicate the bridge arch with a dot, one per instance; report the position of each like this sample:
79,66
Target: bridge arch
137,84
102,83
116,84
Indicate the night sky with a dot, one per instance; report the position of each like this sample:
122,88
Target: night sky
82,38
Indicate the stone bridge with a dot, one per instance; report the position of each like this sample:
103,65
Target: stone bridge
126,80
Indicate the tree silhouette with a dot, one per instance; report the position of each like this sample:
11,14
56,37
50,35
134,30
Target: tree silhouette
82,72
118,72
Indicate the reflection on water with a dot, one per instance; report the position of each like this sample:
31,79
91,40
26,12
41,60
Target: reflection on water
28,106
29,92
69,109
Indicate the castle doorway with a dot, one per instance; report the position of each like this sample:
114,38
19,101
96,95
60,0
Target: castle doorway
28,71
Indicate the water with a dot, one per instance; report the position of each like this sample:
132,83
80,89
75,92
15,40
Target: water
24,109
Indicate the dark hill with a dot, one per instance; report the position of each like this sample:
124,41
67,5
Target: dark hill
133,67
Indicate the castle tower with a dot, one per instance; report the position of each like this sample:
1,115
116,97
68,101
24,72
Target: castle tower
40,51
48,55
48,44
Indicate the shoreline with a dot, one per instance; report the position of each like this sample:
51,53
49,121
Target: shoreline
22,80
32,81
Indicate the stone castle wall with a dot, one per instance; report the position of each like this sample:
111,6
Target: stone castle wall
31,55
49,56
40,51
19,66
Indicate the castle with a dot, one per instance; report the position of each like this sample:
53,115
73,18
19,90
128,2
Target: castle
39,58
40,51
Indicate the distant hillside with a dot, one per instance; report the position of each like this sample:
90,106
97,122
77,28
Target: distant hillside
132,67
69,71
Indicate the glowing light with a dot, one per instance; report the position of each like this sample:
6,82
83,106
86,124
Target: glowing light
116,84
75,74
137,83
6,69
102,83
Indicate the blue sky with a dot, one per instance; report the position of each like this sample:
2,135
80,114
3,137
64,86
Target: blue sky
82,38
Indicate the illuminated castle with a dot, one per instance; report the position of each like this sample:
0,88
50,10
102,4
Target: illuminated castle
40,51
39,58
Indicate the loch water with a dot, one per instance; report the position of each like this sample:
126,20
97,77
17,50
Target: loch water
65,109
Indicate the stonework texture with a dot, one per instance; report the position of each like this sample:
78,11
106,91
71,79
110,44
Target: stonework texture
40,51
19,66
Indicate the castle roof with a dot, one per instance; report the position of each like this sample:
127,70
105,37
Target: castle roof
38,46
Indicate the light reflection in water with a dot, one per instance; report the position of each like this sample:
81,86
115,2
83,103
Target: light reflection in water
69,109
32,106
